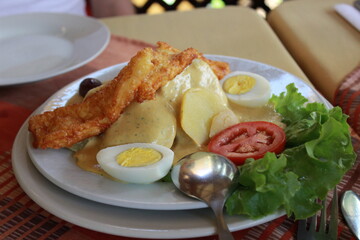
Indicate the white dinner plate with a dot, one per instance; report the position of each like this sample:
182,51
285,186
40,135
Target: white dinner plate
116,220
59,167
37,46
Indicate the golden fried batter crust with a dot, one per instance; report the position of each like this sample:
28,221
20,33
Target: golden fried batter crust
146,72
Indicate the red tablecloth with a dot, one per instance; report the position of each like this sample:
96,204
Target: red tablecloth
21,218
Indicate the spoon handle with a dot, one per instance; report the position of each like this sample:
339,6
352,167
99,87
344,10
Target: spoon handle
222,228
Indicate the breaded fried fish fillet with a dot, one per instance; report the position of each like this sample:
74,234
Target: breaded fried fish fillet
146,72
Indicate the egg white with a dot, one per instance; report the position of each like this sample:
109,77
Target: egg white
144,174
258,96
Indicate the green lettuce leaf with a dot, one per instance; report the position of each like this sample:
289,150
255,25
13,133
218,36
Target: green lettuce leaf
290,104
318,153
265,187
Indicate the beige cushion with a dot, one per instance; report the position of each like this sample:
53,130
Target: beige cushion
324,45
232,31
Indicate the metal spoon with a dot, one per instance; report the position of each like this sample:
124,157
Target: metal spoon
207,177
350,207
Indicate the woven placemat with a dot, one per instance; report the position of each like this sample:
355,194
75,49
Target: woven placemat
347,96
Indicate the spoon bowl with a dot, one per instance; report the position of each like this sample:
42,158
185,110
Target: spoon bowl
350,207
208,177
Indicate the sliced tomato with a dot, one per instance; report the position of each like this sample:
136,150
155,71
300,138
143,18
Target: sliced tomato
248,140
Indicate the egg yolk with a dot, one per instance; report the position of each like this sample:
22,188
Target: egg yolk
239,84
137,157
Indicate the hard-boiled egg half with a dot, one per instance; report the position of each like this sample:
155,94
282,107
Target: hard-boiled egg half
136,162
246,88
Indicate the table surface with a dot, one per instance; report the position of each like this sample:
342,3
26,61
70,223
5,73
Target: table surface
325,45
233,31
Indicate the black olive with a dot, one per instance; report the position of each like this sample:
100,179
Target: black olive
87,84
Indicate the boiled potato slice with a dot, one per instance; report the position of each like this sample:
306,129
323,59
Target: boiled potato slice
197,75
222,120
198,107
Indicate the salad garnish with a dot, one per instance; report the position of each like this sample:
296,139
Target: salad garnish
318,153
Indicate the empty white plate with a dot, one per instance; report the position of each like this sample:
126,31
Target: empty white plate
38,46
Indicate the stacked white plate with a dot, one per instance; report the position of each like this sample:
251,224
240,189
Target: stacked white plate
53,180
